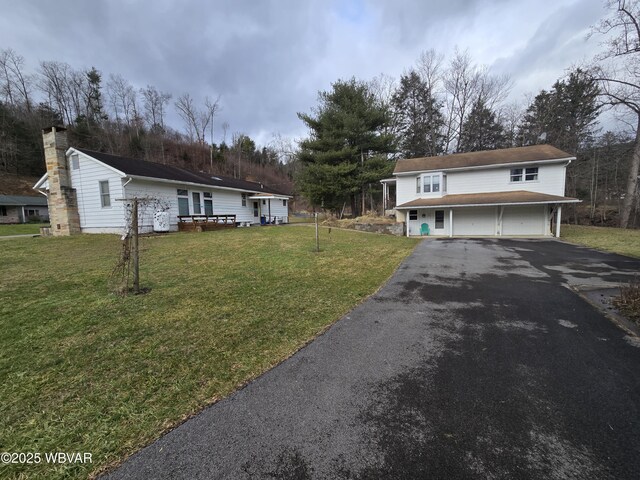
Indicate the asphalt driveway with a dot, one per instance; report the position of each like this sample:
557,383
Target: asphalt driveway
474,361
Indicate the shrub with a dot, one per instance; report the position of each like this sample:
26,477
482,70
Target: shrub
629,300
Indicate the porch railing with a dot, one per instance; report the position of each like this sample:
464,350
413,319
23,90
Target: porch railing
201,223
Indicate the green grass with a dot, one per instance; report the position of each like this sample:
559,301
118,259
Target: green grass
617,240
21,229
83,370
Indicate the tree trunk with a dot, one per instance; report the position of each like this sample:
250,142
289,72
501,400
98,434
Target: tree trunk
632,181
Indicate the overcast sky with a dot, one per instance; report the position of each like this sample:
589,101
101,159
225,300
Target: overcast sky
268,59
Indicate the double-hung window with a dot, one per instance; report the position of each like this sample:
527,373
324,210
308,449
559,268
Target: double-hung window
183,202
430,183
105,196
529,174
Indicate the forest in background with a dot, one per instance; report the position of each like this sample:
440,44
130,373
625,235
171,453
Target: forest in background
359,128
115,117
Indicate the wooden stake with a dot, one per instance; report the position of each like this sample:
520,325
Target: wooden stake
317,238
134,248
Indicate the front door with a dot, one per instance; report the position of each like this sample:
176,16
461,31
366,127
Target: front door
256,211
438,223
208,206
197,206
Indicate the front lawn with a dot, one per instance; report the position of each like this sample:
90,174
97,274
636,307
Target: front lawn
616,240
21,229
83,370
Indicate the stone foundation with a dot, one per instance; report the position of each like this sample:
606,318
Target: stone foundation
386,228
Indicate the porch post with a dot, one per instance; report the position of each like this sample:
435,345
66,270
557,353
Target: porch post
451,222
269,204
558,217
500,213
406,221
384,198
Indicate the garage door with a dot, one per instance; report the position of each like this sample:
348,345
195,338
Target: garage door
529,220
474,221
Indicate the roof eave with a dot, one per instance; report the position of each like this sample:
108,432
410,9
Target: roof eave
484,167
207,185
498,204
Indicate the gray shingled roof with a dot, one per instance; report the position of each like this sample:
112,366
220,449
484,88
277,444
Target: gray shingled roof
22,200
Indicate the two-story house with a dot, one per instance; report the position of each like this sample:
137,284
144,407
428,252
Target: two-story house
512,191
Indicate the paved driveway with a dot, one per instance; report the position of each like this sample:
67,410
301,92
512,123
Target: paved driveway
474,361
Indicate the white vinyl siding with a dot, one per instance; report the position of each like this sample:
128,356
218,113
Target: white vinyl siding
550,180
86,181
105,196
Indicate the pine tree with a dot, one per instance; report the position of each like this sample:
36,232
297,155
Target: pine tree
340,157
481,130
417,118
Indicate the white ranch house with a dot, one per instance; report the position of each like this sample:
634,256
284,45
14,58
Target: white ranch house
88,191
512,192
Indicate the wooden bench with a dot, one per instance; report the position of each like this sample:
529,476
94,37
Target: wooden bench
202,223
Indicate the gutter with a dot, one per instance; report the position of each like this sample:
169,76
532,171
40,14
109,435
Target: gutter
180,182
547,202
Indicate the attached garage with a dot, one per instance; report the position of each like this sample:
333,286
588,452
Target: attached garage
474,221
525,220
487,214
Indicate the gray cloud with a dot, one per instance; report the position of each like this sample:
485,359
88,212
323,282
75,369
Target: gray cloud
268,59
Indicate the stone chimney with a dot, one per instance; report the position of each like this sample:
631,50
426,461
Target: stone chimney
63,204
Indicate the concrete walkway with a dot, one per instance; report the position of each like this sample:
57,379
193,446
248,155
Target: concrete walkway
475,361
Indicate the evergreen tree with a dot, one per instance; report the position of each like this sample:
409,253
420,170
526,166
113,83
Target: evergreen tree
481,130
340,157
417,118
95,109
565,116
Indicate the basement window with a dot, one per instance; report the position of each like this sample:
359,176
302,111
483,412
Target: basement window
105,196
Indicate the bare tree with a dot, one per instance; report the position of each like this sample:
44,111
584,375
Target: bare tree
465,83
196,121
155,102
429,66
122,99
510,116
15,85
617,69
53,82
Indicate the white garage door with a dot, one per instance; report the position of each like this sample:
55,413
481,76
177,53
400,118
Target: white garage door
474,221
525,220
